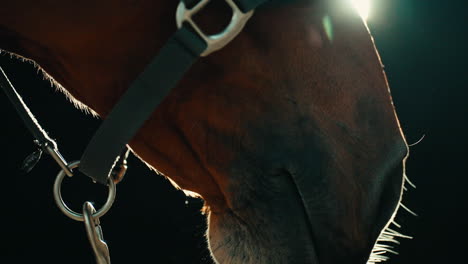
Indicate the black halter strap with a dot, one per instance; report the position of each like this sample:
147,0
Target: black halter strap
144,95
137,104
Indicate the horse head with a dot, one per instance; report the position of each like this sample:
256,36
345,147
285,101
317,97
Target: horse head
289,133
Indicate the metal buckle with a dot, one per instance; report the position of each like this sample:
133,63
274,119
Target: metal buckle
216,41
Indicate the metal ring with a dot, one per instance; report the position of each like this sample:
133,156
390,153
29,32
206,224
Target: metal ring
69,212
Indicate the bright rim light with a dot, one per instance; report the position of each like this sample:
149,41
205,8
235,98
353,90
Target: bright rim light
363,7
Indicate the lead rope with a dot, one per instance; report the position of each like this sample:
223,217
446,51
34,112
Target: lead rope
41,139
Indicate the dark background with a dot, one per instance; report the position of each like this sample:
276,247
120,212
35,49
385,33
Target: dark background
422,44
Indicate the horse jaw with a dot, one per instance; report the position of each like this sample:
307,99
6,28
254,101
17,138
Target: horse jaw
273,228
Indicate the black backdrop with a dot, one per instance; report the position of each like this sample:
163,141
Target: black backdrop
422,44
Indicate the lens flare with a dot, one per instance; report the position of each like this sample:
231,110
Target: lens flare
363,7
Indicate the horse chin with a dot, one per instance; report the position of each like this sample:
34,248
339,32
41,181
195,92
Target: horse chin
232,240
266,228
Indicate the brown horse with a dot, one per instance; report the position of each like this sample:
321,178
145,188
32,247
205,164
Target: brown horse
289,133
